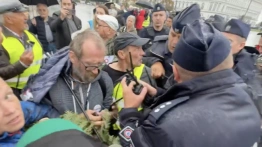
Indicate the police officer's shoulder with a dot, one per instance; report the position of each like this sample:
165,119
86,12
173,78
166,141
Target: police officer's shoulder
161,109
161,38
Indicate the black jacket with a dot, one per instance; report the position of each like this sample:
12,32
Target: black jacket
245,67
61,29
39,30
210,111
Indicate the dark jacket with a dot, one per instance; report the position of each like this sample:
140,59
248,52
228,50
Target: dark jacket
208,111
39,30
245,67
61,29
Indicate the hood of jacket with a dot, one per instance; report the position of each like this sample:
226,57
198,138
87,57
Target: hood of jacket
142,13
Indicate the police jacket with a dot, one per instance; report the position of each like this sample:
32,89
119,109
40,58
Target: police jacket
246,68
208,111
151,33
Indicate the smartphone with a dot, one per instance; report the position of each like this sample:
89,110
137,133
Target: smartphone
71,11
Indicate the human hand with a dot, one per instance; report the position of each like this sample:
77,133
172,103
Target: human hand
132,100
157,70
150,89
27,57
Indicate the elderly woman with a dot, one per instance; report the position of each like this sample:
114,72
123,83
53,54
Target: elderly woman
130,25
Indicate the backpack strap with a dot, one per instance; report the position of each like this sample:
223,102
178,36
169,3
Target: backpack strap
103,87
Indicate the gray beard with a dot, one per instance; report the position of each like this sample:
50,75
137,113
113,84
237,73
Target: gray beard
77,74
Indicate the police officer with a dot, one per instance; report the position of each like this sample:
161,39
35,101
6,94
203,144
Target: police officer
244,63
21,52
159,17
217,21
206,108
159,56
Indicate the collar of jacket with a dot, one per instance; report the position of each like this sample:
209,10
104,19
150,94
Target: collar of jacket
111,40
8,33
7,136
200,85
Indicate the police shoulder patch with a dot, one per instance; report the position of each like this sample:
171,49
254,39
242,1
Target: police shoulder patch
126,133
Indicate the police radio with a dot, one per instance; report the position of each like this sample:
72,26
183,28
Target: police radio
131,77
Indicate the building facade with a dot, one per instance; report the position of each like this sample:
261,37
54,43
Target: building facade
226,8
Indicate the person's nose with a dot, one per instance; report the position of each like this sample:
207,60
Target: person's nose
95,71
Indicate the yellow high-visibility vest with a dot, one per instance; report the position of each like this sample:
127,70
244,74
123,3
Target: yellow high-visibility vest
15,49
146,22
118,92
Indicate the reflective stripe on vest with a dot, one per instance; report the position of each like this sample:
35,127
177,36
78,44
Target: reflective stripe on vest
118,92
15,49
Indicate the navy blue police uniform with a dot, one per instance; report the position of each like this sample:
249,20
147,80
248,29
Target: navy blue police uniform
211,110
159,51
245,63
150,32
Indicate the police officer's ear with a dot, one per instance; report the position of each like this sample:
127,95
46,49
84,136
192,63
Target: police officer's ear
242,42
176,74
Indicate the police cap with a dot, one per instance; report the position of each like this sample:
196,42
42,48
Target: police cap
217,21
12,6
126,39
201,47
237,27
158,7
188,15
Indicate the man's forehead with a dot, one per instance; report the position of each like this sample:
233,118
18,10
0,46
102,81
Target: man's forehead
159,12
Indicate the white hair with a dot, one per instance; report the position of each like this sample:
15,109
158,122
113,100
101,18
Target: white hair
132,16
2,17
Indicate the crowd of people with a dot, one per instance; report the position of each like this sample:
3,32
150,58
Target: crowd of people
172,80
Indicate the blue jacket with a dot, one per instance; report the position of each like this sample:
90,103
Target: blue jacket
40,83
32,113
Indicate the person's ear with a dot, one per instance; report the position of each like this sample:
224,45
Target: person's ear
72,57
121,54
242,44
176,74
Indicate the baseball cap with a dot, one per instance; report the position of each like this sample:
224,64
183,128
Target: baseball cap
111,21
125,39
57,132
12,6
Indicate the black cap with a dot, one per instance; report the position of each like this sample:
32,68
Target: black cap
188,15
12,6
201,47
125,39
237,27
158,7
217,21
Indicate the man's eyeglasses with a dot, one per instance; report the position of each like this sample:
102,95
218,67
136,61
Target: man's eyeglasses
92,67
